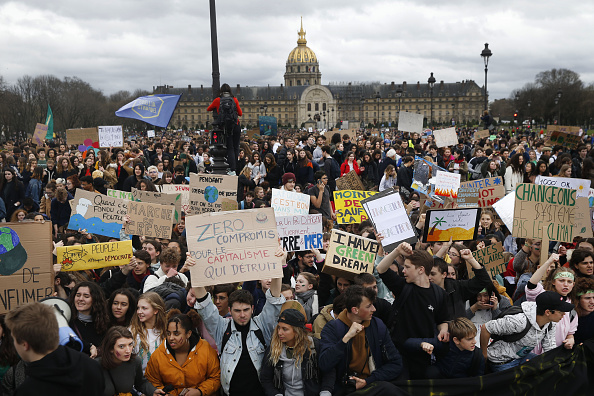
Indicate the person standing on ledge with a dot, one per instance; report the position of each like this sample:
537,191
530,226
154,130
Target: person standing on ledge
228,111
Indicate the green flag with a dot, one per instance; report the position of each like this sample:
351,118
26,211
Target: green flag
49,121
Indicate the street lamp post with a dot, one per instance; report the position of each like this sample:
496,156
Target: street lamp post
431,82
332,118
399,94
486,54
378,97
529,115
362,114
264,108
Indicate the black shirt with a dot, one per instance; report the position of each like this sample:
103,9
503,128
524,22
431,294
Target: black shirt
245,379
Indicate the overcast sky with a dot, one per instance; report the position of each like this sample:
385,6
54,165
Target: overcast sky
130,44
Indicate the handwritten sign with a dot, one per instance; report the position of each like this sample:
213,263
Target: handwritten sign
349,255
120,194
424,176
286,203
111,136
212,193
348,207
149,219
482,193
582,186
39,134
26,273
447,184
566,136
554,213
80,135
388,214
160,198
350,181
98,214
300,232
150,133
94,255
458,224
491,258
410,122
445,137
482,134
184,190
234,246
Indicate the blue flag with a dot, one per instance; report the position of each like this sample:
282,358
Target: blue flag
152,109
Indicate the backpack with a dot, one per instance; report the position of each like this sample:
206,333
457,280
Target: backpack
510,338
227,335
227,113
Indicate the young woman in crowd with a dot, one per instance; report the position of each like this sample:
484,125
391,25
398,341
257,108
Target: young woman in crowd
122,167
339,153
483,307
582,263
35,186
491,169
369,171
489,226
146,185
514,173
457,261
565,171
273,171
88,168
257,167
304,172
18,216
389,178
72,184
65,168
90,319
166,179
121,307
447,157
306,285
542,169
13,192
584,288
153,174
122,369
459,165
134,178
530,172
148,326
185,354
349,164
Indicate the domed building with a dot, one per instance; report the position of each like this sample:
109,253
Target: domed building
303,101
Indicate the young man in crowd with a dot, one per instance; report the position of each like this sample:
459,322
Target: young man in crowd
170,259
383,309
320,196
220,297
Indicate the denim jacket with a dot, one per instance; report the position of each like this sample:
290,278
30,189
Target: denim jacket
217,325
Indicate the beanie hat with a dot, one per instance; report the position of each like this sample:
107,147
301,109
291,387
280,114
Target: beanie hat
287,177
391,153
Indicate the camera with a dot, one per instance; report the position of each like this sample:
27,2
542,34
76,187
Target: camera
350,384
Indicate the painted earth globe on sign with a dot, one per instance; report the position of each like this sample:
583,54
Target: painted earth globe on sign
211,194
12,254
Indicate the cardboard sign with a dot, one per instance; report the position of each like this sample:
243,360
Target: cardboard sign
482,193
458,224
26,272
388,214
287,203
160,198
349,255
253,134
410,122
39,134
120,194
351,132
350,181
505,209
212,193
565,136
582,186
81,135
98,214
348,207
150,133
550,212
184,190
150,219
482,134
447,184
424,173
491,258
302,232
111,136
234,246
94,255
445,137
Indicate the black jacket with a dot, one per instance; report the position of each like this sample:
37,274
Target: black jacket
314,381
64,372
458,291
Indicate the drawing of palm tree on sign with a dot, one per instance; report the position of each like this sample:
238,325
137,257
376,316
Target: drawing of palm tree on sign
438,221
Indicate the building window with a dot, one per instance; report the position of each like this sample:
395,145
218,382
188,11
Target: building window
317,107
309,107
298,69
324,107
298,82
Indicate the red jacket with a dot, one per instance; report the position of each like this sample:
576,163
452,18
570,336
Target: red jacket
216,103
345,168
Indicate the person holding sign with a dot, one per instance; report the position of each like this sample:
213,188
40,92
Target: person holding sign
320,196
241,339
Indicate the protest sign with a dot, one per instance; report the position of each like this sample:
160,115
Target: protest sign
300,232
445,137
26,272
550,213
424,173
234,246
349,255
347,206
566,136
491,258
212,193
458,224
350,181
120,194
286,203
184,190
150,133
410,122
111,136
150,219
485,192
505,209
468,197
253,134
98,214
582,186
388,214
94,255
160,198
82,136
39,134
447,184
482,134
351,132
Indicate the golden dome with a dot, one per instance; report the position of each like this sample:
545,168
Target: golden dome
302,53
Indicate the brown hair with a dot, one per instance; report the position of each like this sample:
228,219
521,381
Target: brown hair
462,328
35,324
170,256
108,360
421,258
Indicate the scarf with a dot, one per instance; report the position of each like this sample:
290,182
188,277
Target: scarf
140,278
459,160
85,318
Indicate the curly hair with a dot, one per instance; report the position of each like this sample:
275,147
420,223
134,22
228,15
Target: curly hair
190,321
582,286
98,305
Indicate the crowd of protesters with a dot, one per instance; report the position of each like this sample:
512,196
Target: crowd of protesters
146,330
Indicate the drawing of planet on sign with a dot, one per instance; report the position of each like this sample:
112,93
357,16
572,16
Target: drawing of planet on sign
211,194
12,254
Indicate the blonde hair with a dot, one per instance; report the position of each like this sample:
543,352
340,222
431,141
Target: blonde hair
303,343
139,329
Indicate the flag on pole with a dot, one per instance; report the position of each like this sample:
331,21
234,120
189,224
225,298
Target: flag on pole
152,109
49,121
